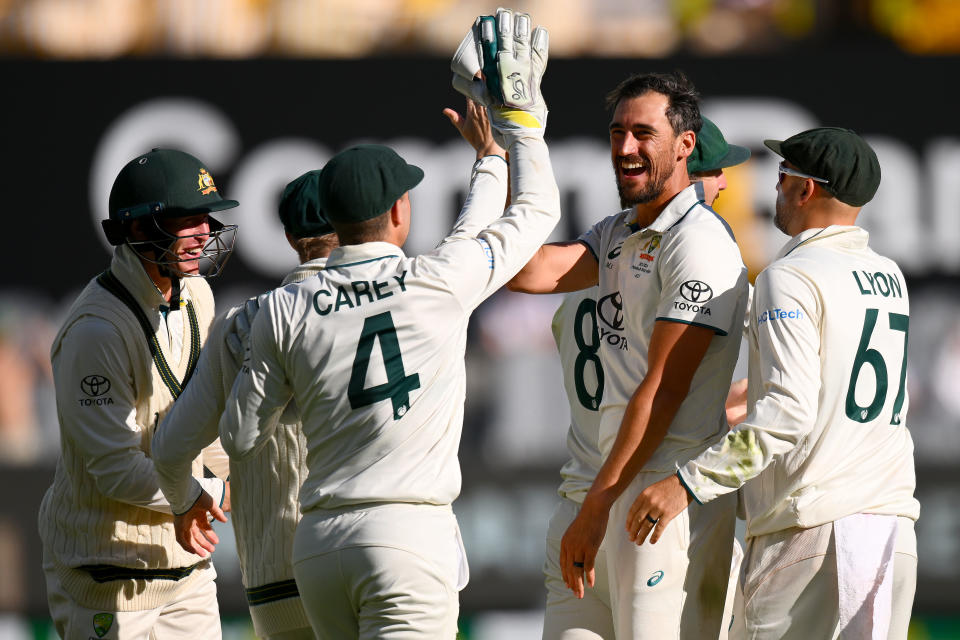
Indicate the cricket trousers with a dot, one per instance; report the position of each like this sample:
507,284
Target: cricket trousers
390,571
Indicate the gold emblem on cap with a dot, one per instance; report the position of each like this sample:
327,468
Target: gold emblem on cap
205,180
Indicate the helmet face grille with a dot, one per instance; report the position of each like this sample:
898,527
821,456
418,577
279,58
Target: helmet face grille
210,260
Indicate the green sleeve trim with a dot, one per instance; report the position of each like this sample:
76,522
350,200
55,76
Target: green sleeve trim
687,487
719,332
223,494
590,249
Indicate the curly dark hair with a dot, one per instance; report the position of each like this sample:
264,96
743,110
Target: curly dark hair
683,111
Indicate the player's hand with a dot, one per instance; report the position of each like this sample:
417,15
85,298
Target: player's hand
193,529
474,126
237,334
736,404
512,61
226,497
655,507
579,546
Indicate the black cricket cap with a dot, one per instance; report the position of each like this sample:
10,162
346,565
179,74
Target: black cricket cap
837,155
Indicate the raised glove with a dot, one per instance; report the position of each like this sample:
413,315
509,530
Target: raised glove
513,62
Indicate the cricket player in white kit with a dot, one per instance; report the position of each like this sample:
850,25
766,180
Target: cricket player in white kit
265,487
372,349
125,353
576,330
824,456
670,309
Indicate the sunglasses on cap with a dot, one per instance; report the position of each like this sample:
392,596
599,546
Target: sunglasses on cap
782,171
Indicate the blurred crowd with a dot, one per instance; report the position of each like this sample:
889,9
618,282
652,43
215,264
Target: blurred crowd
75,29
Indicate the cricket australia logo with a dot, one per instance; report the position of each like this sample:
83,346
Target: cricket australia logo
95,385
205,180
102,623
610,312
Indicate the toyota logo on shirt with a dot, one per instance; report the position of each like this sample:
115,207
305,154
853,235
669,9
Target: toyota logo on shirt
696,291
610,310
95,385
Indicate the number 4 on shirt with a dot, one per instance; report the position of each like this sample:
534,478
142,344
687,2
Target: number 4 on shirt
398,386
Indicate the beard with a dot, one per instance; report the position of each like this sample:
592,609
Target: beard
781,215
658,174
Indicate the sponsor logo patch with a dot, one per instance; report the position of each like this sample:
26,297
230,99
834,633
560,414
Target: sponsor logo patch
615,252
696,291
610,312
95,385
655,579
779,314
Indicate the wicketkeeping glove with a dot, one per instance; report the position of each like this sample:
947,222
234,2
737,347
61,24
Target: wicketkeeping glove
513,62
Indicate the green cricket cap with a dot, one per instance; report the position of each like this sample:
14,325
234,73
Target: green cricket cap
364,181
712,151
167,183
839,156
300,210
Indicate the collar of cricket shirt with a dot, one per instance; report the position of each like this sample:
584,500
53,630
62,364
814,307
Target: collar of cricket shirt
367,252
128,269
673,213
304,271
837,235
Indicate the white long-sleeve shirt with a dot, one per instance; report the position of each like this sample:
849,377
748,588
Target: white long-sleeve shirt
826,436
192,423
372,351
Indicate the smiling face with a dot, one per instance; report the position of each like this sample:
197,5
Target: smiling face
192,234
643,148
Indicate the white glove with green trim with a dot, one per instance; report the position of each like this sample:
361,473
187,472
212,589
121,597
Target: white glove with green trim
512,61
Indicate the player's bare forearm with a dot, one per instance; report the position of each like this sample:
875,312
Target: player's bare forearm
675,352
557,267
645,423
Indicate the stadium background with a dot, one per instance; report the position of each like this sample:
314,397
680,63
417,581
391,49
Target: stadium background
263,90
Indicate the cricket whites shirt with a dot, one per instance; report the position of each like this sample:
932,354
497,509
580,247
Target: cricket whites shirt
684,267
826,436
